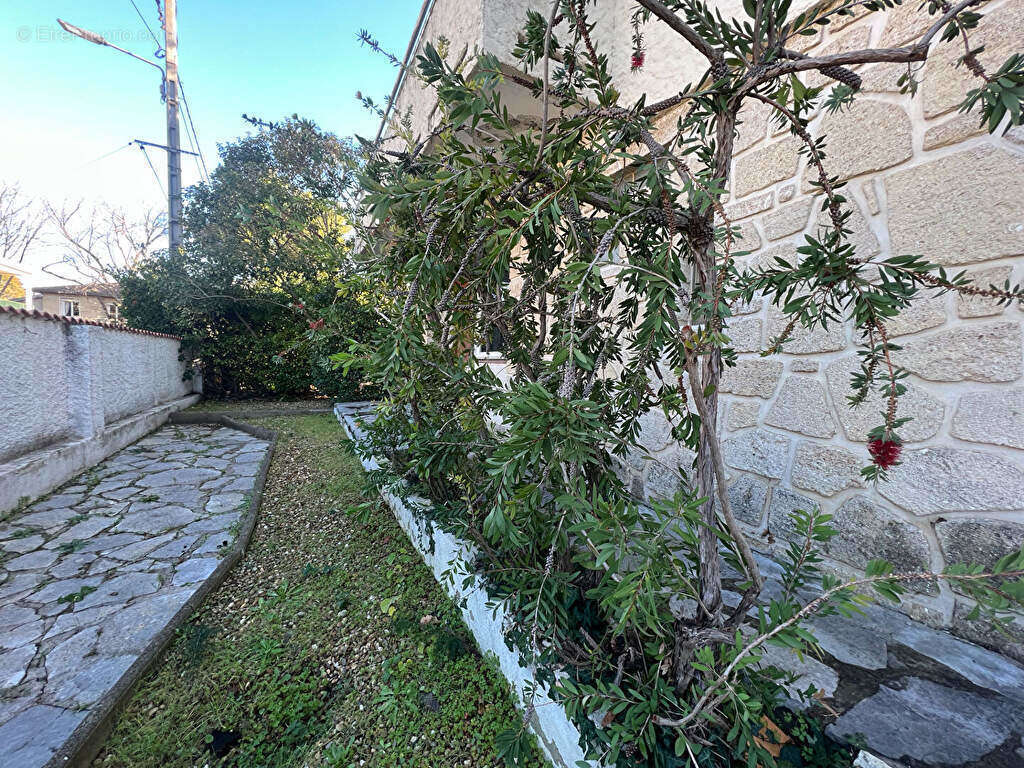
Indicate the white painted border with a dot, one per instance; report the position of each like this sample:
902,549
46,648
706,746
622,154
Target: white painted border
443,552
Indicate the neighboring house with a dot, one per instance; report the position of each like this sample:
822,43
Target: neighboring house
923,179
99,301
14,282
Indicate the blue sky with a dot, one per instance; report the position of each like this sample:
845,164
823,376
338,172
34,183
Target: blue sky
66,102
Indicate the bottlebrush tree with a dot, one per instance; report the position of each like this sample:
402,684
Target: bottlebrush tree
525,468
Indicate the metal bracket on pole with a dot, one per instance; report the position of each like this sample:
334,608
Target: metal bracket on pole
164,147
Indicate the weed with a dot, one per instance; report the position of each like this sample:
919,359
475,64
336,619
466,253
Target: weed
196,642
71,546
149,497
74,597
90,480
24,533
80,517
341,755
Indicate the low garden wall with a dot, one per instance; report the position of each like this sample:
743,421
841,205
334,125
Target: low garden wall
72,392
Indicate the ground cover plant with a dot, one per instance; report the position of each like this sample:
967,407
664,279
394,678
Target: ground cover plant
625,605
329,644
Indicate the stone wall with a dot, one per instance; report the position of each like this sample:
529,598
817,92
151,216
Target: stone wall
922,179
71,393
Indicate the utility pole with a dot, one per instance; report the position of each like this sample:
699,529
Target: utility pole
169,74
173,139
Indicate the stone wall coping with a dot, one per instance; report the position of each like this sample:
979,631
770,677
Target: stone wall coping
36,314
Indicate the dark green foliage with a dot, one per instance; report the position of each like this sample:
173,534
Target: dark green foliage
263,274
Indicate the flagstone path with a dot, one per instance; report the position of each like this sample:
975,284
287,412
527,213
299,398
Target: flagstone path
90,575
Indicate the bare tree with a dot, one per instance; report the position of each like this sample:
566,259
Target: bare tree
97,242
21,222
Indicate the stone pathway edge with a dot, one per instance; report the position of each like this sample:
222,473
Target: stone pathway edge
88,738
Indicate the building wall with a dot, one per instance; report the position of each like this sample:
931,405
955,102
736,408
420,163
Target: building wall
91,307
922,179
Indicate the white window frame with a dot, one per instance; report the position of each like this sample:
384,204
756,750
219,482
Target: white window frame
113,311
74,307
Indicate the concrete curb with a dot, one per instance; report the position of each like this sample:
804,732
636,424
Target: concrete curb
88,738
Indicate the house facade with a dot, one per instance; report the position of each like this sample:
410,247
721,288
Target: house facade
15,285
98,301
923,179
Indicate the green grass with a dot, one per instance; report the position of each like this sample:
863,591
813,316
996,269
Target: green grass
329,644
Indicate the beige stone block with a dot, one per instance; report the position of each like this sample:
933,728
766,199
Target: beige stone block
854,40
742,414
958,209
752,377
746,239
988,352
826,469
982,306
753,119
924,410
806,341
944,84
865,244
933,480
869,136
801,407
746,307
802,365
767,165
995,417
802,42
903,23
787,193
868,530
766,257
780,512
758,451
881,78
978,541
655,431
749,207
957,128
747,496
745,333
787,220
924,312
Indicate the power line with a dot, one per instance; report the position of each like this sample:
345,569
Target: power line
159,47
152,168
103,157
188,116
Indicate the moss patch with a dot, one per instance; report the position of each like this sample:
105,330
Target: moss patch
329,644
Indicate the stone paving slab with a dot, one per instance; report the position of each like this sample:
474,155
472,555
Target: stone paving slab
91,574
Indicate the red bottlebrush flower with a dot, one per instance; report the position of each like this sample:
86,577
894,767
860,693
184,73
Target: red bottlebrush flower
300,305
316,325
637,61
884,453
